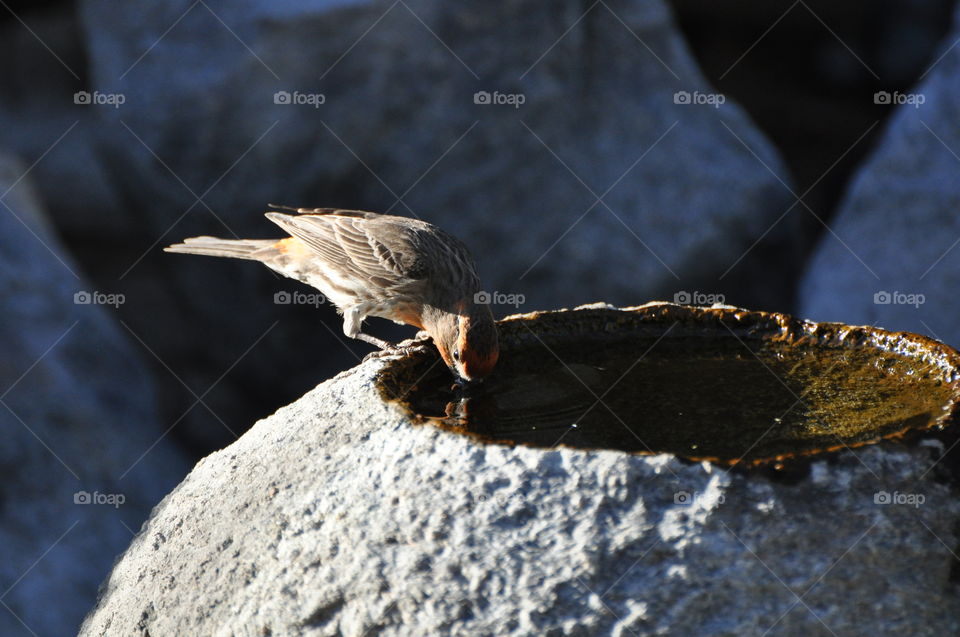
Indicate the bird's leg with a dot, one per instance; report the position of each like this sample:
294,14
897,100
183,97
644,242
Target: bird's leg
385,346
373,340
351,327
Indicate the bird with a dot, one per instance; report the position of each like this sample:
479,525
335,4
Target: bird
369,264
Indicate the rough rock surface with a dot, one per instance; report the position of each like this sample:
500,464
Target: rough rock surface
399,121
335,516
892,258
77,411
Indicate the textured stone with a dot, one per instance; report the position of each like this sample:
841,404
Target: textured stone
337,516
78,414
42,123
895,237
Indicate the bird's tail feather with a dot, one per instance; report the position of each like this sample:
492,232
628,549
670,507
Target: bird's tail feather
253,249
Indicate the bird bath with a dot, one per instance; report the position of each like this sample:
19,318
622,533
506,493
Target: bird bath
720,384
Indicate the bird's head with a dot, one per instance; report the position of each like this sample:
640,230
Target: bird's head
467,341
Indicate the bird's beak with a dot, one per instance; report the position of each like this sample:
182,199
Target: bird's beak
465,385
465,382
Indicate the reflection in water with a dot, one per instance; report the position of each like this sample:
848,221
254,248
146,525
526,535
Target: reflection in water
696,397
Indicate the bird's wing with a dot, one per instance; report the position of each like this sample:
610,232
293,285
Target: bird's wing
356,245
325,211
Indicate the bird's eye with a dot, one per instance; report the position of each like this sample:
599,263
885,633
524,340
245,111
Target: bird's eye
456,354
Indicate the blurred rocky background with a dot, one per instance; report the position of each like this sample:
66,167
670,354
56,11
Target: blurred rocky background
790,156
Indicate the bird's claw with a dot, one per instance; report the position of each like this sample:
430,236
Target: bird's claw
377,353
401,349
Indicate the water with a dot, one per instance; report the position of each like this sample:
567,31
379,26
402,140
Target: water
703,397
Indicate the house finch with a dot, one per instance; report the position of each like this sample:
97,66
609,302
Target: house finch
368,264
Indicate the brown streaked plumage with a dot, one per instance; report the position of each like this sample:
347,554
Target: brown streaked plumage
368,264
